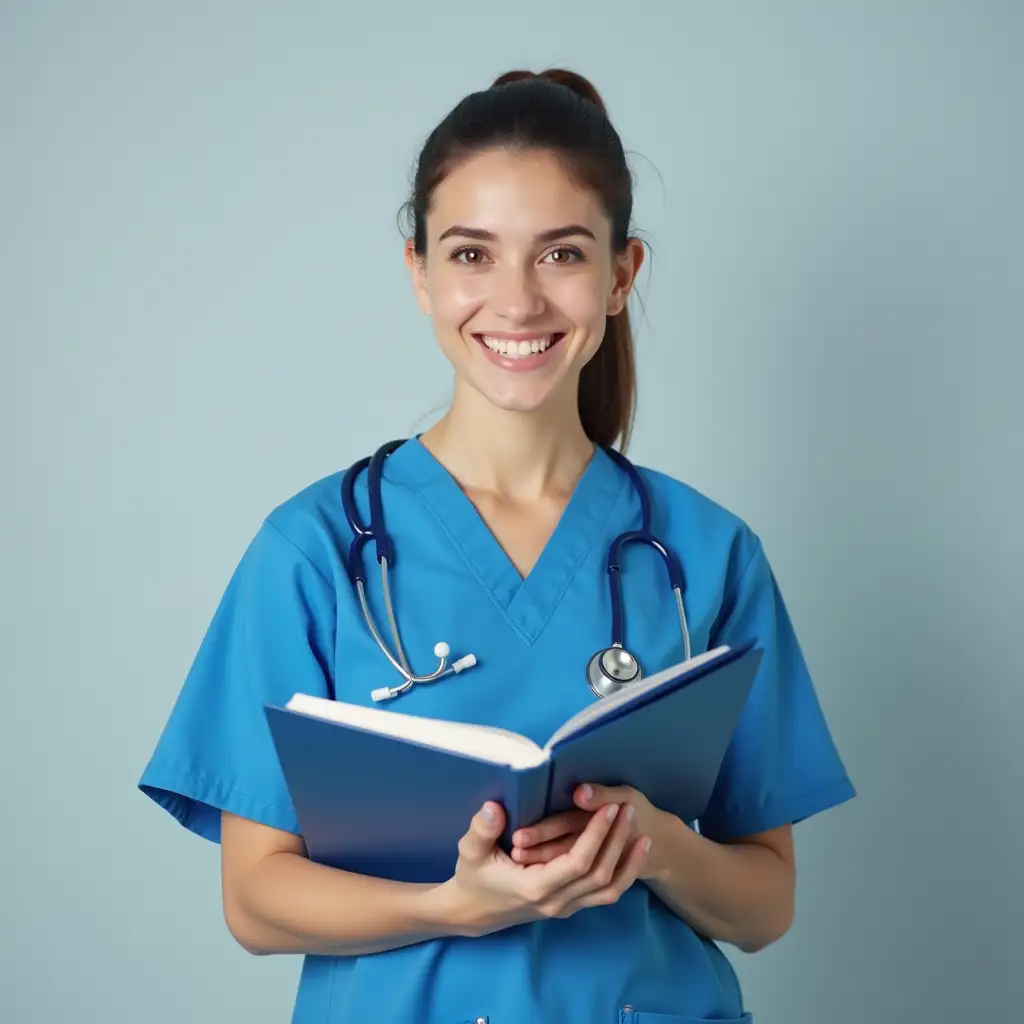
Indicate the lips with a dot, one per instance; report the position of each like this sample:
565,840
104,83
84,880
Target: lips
519,354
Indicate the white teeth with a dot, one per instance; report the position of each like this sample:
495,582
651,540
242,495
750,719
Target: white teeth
517,349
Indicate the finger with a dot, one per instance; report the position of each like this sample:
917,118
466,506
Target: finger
592,796
625,875
477,843
544,852
602,872
566,823
577,862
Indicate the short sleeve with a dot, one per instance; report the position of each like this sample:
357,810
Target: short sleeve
782,765
272,635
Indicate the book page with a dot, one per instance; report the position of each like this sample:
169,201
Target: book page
602,706
486,742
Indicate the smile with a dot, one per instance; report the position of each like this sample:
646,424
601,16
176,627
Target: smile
511,348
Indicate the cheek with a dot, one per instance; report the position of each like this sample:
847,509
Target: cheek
584,304
455,301
581,298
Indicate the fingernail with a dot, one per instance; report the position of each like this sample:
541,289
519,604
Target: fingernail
613,809
588,792
646,844
630,811
488,815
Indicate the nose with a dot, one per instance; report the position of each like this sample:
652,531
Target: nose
518,296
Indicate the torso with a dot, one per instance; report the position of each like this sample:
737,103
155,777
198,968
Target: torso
524,587
292,620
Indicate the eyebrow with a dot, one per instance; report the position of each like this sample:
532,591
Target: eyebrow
551,235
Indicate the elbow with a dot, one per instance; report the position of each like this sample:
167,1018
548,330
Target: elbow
771,931
755,943
244,930
244,934
252,947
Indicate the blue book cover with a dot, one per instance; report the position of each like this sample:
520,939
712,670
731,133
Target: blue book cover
387,794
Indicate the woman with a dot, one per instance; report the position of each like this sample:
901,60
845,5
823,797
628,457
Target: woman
501,515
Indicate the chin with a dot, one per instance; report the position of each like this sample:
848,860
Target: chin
517,399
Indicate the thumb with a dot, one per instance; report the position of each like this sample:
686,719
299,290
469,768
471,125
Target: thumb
485,828
591,796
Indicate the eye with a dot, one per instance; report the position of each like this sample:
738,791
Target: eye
569,253
468,250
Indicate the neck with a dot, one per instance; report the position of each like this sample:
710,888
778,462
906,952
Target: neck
516,456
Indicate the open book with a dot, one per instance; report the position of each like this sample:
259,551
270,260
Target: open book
385,793
487,742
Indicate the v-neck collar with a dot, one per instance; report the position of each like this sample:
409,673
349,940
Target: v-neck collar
529,602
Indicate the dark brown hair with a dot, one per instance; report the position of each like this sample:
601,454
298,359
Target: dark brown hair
560,112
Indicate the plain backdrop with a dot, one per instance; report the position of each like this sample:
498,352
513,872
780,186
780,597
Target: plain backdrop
202,281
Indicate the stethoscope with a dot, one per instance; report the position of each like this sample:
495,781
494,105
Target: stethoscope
608,671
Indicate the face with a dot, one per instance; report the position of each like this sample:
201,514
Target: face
518,277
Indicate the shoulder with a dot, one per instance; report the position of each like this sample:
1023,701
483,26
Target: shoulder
309,528
686,514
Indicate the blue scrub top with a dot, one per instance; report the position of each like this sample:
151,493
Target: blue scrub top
289,622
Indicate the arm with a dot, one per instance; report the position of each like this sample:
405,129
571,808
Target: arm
276,900
742,893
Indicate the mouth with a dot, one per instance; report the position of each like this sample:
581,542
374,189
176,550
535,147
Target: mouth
522,347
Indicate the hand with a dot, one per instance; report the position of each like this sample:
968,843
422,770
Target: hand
552,837
490,891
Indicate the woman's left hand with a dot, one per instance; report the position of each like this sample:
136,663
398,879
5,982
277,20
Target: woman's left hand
554,836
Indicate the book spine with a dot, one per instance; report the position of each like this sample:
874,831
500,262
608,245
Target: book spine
525,799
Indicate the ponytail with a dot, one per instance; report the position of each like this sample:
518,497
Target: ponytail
607,393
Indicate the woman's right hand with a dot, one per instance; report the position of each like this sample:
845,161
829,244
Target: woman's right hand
490,891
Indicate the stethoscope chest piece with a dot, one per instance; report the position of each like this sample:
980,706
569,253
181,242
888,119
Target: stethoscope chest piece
611,669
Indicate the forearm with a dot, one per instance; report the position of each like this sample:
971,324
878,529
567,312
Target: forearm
742,894
289,904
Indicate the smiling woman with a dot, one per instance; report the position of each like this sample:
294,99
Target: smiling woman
508,512
520,234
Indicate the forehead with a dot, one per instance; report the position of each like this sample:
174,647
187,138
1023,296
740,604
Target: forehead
511,193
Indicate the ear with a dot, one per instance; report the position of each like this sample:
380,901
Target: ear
418,271
625,269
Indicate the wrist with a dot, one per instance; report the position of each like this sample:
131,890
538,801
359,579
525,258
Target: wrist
446,911
670,838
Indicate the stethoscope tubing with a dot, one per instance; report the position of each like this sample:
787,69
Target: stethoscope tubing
385,553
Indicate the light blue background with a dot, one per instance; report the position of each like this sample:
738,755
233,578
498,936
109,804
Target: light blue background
202,285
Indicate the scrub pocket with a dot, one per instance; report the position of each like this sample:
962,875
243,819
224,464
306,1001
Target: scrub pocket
631,1016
